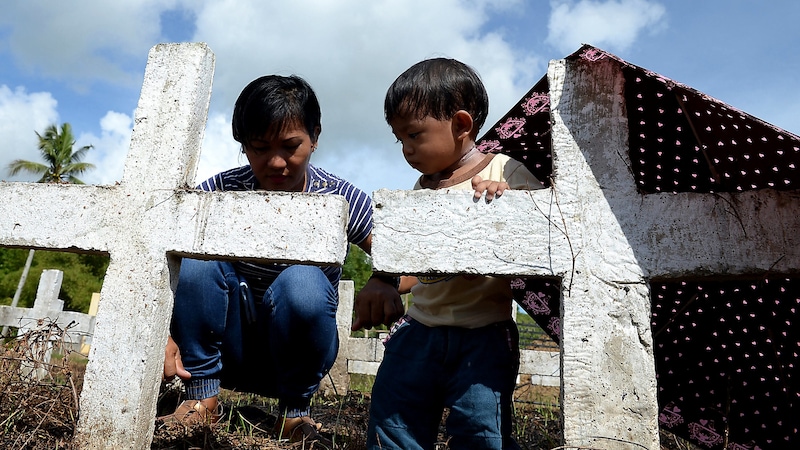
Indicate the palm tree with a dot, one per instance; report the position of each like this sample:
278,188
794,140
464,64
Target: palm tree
62,163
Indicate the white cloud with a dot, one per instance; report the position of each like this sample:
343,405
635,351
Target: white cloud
82,41
349,50
219,151
109,149
21,116
613,25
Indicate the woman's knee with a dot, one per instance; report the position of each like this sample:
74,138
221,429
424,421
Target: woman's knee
203,292
195,273
305,291
303,276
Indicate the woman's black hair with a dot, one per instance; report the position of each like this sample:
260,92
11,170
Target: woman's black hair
275,102
438,88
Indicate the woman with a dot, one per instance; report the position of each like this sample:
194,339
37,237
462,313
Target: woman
268,329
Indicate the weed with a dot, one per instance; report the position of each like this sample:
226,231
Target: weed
39,407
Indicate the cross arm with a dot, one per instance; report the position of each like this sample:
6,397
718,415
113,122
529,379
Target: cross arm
42,215
520,233
290,227
752,232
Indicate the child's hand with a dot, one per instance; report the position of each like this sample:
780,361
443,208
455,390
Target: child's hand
492,188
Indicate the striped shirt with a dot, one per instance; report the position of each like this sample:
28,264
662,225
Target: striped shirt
260,276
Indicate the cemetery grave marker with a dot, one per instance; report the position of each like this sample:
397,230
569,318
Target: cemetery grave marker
602,238
146,223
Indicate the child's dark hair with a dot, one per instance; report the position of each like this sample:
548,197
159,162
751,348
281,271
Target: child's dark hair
275,102
438,88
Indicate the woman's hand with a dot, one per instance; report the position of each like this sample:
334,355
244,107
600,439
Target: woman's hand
491,188
377,303
172,362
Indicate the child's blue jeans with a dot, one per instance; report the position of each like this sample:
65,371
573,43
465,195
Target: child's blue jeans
279,346
424,369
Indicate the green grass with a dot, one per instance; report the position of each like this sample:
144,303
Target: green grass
361,382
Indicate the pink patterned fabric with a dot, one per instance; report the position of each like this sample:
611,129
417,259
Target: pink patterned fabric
726,351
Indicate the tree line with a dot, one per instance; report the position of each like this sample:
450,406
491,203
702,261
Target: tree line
83,274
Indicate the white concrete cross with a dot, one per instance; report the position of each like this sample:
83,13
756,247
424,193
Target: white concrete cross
45,303
146,223
47,309
604,240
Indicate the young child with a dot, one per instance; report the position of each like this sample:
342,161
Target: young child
457,347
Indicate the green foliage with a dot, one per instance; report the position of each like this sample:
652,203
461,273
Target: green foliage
357,267
83,275
61,164
11,259
531,335
524,318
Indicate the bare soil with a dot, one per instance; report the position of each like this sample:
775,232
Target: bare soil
41,411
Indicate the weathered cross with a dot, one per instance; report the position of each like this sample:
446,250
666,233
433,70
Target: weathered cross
145,224
47,310
604,240
45,305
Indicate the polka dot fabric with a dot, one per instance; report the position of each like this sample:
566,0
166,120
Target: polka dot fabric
726,351
726,361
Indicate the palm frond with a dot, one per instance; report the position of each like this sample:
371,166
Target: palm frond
20,165
62,162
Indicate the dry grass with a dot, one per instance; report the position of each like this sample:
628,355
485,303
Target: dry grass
41,412
248,420
39,395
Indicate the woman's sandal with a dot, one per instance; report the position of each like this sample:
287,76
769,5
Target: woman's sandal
193,412
303,429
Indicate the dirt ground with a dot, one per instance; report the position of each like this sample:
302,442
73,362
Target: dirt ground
248,422
247,425
42,412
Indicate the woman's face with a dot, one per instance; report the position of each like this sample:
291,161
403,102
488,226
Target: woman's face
279,160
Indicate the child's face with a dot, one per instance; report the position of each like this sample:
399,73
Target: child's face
429,145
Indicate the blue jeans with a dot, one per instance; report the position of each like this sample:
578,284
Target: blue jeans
425,369
279,346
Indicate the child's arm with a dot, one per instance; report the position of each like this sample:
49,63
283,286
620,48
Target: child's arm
491,188
406,283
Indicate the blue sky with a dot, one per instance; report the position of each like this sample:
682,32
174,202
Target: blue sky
83,63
